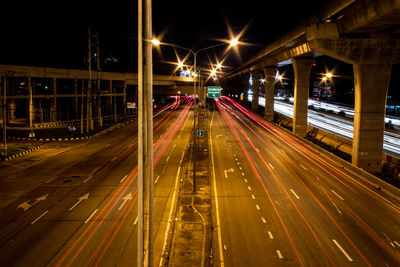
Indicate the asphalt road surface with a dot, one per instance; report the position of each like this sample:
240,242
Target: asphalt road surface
280,202
77,204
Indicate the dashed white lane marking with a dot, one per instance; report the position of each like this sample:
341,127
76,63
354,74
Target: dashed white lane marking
238,163
271,165
158,177
174,146
94,212
303,167
336,208
337,195
391,243
243,173
253,197
263,220
51,180
224,247
234,155
342,250
87,179
136,220
240,168
294,193
397,243
123,179
245,180
279,254
167,159
258,207
249,187
270,235
44,213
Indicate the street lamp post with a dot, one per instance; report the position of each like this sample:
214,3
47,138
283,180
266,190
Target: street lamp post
233,42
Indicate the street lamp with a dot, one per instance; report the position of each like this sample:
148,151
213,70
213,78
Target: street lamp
233,42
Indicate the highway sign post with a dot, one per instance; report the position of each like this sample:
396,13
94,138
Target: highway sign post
214,91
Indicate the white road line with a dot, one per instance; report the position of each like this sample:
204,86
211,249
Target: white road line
94,212
271,165
224,247
245,180
397,243
258,207
270,235
336,208
342,250
238,163
391,243
234,155
249,187
135,222
243,173
87,179
263,219
44,213
303,167
51,180
221,254
123,179
167,159
337,195
253,196
158,177
240,168
294,193
279,254
174,146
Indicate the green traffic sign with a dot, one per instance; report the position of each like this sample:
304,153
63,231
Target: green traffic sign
214,91
200,132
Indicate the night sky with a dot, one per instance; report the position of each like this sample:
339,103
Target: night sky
56,34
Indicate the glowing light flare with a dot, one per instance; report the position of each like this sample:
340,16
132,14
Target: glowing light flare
155,42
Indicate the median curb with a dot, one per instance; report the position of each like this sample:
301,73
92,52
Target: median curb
20,153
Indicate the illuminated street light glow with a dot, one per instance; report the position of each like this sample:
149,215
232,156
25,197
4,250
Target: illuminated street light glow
180,64
324,78
328,75
219,66
155,42
234,42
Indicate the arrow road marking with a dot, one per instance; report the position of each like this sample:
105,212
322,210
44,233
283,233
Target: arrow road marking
25,206
125,198
84,197
228,170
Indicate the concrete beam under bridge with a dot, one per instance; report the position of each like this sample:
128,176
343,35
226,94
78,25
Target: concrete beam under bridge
372,60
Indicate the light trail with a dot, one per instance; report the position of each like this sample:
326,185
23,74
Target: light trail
129,180
366,227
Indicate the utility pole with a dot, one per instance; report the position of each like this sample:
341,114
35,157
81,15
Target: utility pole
194,126
89,122
4,107
100,118
145,137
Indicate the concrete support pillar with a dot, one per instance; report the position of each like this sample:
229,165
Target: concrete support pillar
12,108
75,86
302,71
244,85
124,97
30,104
371,83
53,108
269,73
110,100
115,105
255,76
